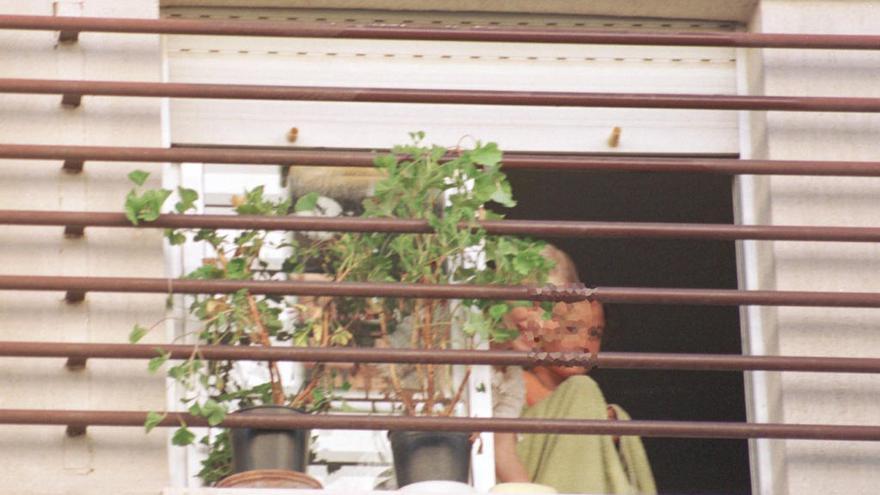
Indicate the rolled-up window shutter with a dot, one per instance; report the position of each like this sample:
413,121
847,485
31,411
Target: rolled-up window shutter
446,65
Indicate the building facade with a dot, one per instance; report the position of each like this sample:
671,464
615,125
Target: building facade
43,459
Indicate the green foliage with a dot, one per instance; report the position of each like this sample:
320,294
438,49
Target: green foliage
183,436
211,410
155,363
218,465
187,201
146,206
138,177
449,190
307,202
153,420
137,333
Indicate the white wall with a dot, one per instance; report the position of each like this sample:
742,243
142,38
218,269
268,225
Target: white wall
820,467
36,459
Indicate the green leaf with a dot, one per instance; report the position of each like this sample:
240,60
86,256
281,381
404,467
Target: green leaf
307,202
213,411
206,272
496,311
484,188
138,177
183,436
132,206
503,195
152,206
153,420
175,238
157,362
477,324
187,201
385,161
237,269
488,154
137,333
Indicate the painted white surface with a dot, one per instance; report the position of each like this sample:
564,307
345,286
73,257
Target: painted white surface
814,467
451,65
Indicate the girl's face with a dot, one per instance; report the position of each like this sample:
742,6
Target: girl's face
576,327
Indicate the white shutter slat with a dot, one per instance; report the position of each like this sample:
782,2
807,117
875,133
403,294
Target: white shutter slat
452,65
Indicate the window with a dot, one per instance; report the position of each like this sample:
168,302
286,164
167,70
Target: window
529,67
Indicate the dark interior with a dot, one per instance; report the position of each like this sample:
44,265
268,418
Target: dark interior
680,465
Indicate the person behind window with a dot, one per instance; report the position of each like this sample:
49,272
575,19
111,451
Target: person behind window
568,463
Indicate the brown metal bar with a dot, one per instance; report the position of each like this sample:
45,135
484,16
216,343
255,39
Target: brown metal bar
622,295
440,96
75,222
413,32
80,352
672,429
188,286
364,158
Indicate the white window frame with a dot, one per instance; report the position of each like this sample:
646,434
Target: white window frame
594,139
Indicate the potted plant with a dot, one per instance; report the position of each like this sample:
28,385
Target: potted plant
212,388
450,190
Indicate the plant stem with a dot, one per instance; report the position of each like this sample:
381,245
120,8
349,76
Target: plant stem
428,342
395,380
263,338
457,397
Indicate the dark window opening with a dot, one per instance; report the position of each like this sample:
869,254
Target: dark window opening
681,466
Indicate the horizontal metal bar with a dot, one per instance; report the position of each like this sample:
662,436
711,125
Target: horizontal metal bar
365,158
545,228
609,360
458,33
440,96
670,429
622,295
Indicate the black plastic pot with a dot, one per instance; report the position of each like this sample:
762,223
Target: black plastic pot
269,449
430,455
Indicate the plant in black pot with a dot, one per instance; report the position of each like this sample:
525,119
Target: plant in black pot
449,189
212,389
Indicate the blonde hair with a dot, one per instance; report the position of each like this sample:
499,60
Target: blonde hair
564,271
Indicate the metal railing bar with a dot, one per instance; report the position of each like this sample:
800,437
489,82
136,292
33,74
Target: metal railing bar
415,32
622,295
246,155
670,429
73,90
544,228
609,360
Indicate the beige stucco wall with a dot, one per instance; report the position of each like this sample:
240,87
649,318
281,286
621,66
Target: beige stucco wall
43,460
813,467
